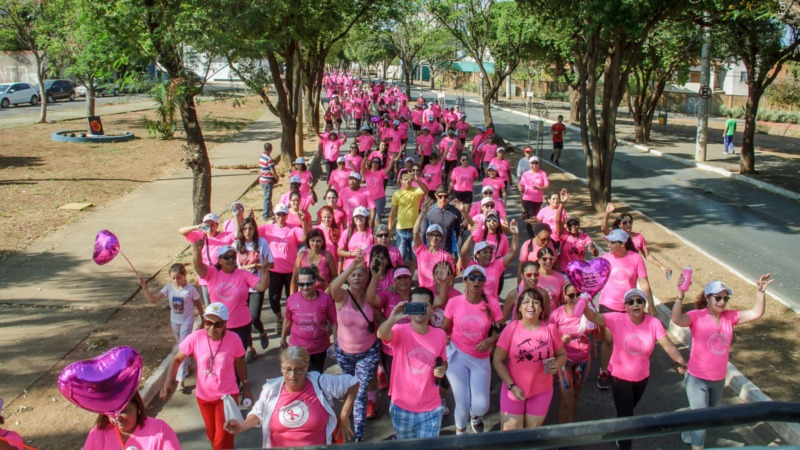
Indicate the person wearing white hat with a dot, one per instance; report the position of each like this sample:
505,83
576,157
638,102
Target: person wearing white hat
469,368
503,165
338,178
307,199
494,181
354,196
328,148
711,324
627,270
632,329
356,239
220,360
532,186
462,127
366,141
487,192
301,171
429,255
493,262
213,239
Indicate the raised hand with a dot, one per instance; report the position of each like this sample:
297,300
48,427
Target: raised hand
610,208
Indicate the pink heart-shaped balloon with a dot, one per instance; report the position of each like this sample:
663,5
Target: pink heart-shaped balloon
105,384
589,277
106,247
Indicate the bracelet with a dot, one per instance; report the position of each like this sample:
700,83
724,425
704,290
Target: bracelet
244,382
511,386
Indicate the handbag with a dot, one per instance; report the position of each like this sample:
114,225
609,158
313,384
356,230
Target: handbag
370,324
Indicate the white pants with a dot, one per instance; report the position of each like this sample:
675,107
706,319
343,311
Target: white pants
181,330
470,378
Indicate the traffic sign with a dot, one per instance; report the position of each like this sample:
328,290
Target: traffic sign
705,92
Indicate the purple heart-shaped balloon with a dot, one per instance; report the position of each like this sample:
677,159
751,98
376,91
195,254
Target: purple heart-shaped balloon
589,277
105,384
106,247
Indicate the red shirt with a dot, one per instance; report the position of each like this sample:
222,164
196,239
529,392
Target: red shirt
558,130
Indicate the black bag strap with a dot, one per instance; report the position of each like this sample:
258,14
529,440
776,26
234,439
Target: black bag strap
358,307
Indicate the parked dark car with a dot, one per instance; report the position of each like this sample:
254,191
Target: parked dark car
59,90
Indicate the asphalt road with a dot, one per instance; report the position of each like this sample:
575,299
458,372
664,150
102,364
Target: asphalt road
79,103
750,230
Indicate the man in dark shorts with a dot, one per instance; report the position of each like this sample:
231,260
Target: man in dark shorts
558,129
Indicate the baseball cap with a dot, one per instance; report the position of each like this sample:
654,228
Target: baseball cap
217,309
361,211
409,159
402,271
474,268
634,293
493,212
486,200
280,208
395,122
481,246
212,217
295,179
533,159
716,286
617,235
300,160
434,228
486,189
225,249
492,167
451,131
500,149
355,175
573,219
463,116
426,129
442,189
340,159
528,150
365,128
237,206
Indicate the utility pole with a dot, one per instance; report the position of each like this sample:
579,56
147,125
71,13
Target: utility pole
706,93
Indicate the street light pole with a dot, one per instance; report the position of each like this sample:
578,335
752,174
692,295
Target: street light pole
706,94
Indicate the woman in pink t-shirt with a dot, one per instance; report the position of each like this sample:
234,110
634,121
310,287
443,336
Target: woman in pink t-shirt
711,324
574,242
357,348
307,180
548,215
532,186
494,263
541,239
634,335
432,174
317,257
497,185
492,231
297,217
136,429
329,148
472,323
461,180
356,239
489,152
574,333
528,354
550,279
283,243
636,242
373,177
503,165
430,255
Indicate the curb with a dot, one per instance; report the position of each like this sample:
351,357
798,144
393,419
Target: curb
154,383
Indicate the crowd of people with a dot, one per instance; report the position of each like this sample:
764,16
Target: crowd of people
368,282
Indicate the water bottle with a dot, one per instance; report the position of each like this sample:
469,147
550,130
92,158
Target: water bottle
687,279
247,403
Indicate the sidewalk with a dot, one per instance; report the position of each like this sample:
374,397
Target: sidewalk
59,294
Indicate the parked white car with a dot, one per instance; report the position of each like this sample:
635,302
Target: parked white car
17,93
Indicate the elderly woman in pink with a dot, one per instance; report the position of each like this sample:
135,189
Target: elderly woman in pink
357,238
428,256
136,429
528,354
711,324
532,186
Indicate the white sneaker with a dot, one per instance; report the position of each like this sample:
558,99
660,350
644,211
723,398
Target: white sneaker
686,437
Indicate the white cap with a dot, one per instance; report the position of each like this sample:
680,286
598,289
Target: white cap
486,189
395,122
715,287
500,149
617,235
300,160
355,175
280,208
486,200
409,159
634,293
474,268
483,245
361,211
217,309
434,228
340,159
225,249
492,167
212,217
533,159
295,179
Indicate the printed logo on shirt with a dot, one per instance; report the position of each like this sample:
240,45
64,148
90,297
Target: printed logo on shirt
528,350
225,291
420,361
636,344
294,415
471,326
719,343
620,275
177,304
437,317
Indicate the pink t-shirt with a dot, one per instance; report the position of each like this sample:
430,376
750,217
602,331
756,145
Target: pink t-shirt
578,347
396,143
463,178
330,147
426,261
293,219
625,271
416,117
494,273
360,239
283,243
352,335
211,247
489,152
497,185
432,175
374,181
471,323
711,343
298,420
463,128
529,250
305,180
330,246
503,167
310,319
154,434
412,371
215,376
365,142
529,180
338,180
349,200
353,162
572,248
501,248
548,215
633,345
639,242
449,148
554,285
526,351
305,200
425,144
232,290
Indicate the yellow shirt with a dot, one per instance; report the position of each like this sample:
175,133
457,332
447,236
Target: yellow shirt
407,204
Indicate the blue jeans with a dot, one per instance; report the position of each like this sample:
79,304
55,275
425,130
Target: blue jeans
405,243
727,142
267,188
380,207
702,394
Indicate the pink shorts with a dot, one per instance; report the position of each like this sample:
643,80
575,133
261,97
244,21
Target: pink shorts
536,405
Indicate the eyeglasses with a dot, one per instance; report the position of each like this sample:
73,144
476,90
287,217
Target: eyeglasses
476,278
573,295
464,160
296,371
626,222
382,235
302,285
720,298
213,324
635,301
228,257
434,236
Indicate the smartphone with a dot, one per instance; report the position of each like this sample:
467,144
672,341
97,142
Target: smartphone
415,309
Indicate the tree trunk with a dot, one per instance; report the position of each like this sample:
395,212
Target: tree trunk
196,157
90,98
747,161
574,100
40,75
487,109
407,77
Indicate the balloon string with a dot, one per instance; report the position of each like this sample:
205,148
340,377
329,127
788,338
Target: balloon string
119,433
17,443
129,263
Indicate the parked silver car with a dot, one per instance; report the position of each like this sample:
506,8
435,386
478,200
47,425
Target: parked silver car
17,93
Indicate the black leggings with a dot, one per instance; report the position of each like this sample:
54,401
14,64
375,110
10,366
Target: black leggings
278,282
530,209
358,124
247,340
256,302
331,167
626,396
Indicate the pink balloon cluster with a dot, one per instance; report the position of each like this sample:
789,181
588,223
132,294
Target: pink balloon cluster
104,384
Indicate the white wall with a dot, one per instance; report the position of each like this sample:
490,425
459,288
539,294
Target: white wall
17,67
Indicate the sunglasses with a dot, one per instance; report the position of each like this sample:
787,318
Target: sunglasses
535,163
635,301
309,284
546,259
213,324
573,224
720,298
531,274
228,257
573,295
476,278
382,235
491,219
626,222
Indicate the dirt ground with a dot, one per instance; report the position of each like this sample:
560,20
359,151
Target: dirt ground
49,421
